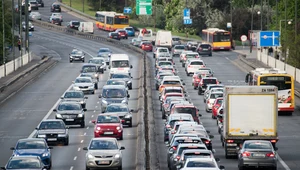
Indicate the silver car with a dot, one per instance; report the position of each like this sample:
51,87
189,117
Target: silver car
103,153
106,53
100,61
177,50
200,164
73,95
35,16
84,84
92,76
176,41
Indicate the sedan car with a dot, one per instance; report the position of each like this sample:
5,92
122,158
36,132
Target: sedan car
114,35
76,55
108,125
217,104
71,113
193,65
122,111
53,131
56,15
56,21
123,33
171,121
35,16
30,26
160,76
84,84
34,4
73,25
201,164
33,147
75,96
125,77
55,7
159,50
25,162
257,153
103,153
146,46
177,50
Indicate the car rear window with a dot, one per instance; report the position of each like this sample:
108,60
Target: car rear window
196,63
216,95
173,91
181,149
122,31
220,101
190,110
114,34
191,55
129,29
179,47
201,163
204,46
171,82
175,39
75,23
210,81
196,155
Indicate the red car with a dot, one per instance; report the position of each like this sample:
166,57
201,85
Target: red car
108,126
215,107
147,46
123,34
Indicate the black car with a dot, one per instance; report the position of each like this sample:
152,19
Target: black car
114,35
40,3
55,7
122,111
204,82
25,162
204,49
191,45
53,131
73,25
125,77
56,21
71,113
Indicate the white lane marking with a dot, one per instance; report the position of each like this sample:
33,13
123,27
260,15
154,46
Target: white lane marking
92,115
87,127
75,158
81,141
78,149
49,113
98,102
227,58
94,111
71,168
286,167
96,106
84,134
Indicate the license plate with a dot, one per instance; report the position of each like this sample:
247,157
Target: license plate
51,139
115,36
205,49
222,48
103,162
127,121
120,68
108,133
69,120
258,155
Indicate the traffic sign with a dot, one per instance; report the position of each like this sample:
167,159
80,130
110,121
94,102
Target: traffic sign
186,13
269,38
187,21
243,38
143,7
127,10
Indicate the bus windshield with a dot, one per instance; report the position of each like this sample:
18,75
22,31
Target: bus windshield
278,81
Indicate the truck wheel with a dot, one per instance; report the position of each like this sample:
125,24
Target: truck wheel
226,154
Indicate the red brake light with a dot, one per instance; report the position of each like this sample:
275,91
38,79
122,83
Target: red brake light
246,154
110,36
168,126
271,155
230,141
173,132
190,66
177,157
273,141
207,142
174,147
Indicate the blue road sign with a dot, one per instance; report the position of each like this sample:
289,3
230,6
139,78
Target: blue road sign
127,10
186,13
187,21
269,38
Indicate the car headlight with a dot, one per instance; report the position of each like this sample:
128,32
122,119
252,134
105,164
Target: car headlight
16,155
90,156
82,102
117,156
62,135
80,115
124,101
104,101
71,56
45,155
82,56
128,82
58,116
41,136
91,85
128,116
96,75
118,128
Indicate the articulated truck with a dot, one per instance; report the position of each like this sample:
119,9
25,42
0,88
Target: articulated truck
249,113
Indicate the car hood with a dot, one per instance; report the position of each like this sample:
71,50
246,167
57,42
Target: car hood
69,111
51,131
114,100
124,79
101,53
103,152
30,152
83,84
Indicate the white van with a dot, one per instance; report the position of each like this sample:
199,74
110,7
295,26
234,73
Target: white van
163,39
87,27
119,63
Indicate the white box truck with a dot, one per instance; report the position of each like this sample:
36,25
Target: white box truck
163,39
87,27
250,113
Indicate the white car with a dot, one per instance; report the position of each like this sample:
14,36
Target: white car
56,15
193,65
159,50
217,89
200,164
190,55
211,99
183,54
178,124
211,86
84,84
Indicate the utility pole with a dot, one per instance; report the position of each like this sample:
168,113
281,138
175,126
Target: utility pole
3,39
268,14
252,10
261,15
70,3
125,3
277,15
155,16
83,6
26,28
285,35
20,29
100,5
13,31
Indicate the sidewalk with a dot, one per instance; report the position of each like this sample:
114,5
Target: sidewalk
251,58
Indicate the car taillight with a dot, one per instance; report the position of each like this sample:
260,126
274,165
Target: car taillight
177,157
230,141
200,48
174,147
273,141
168,126
207,142
162,86
207,101
173,132
110,36
246,154
197,79
189,66
270,155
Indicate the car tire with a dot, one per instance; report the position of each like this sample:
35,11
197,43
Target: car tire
50,165
120,167
156,87
207,111
210,55
66,142
187,74
199,90
42,5
83,61
93,92
163,114
71,61
130,124
82,124
241,168
121,138
130,87
195,87
182,65
96,86
153,56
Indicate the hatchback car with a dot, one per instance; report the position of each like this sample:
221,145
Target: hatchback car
103,153
33,147
193,66
113,94
108,125
217,104
114,35
25,162
211,99
56,15
130,31
55,7
159,77
206,81
122,111
186,108
257,153
171,81
125,77
123,33
84,84
204,49
75,96
73,25
191,45
30,26
41,3
177,50
100,62
159,50
189,56
146,46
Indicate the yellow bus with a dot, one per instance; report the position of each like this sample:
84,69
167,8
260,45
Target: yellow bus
111,21
283,81
219,39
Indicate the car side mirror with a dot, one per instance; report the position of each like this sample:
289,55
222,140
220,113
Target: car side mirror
222,167
85,109
131,66
131,110
128,95
211,136
200,115
94,121
86,97
100,95
122,148
217,159
36,128
54,110
12,148
85,148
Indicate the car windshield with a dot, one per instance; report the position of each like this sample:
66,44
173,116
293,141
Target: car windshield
96,61
120,64
114,108
190,110
31,145
175,39
173,91
179,47
24,163
129,29
102,50
83,80
162,63
89,69
120,76
204,46
201,163
216,95
108,119
197,63
52,125
162,76
69,106
76,52
103,145
75,23
210,81
171,82
257,145
192,55
87,75
114,82
74,95
114,93
172,122
163,50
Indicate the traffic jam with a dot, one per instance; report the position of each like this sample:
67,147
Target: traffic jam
189,144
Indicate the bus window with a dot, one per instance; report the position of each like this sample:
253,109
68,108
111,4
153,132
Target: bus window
109,20
100,18
121,20
224,38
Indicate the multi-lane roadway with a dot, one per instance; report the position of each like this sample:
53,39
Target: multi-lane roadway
21,113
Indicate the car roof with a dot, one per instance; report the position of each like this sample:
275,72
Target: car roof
191,144
172,87
176,94
118,104
204,159
89,64
188,123
113,87
171,78
83,78
68,102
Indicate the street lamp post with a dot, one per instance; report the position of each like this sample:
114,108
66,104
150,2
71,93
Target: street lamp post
289,21
251,32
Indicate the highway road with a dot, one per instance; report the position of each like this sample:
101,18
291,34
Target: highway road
21,113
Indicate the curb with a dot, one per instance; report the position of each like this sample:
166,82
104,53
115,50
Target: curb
22,74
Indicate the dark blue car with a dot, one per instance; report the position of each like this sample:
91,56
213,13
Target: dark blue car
34,147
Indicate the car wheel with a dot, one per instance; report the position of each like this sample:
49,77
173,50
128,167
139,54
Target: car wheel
96,86
121,138
120,167
93,92
207,111
219,130
130,124
66,142
82,125
83,61
195,87
153,56
182,65
50,165
156,87
71,61
241,168
84,106
187,74
210,55
130,87
163,114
